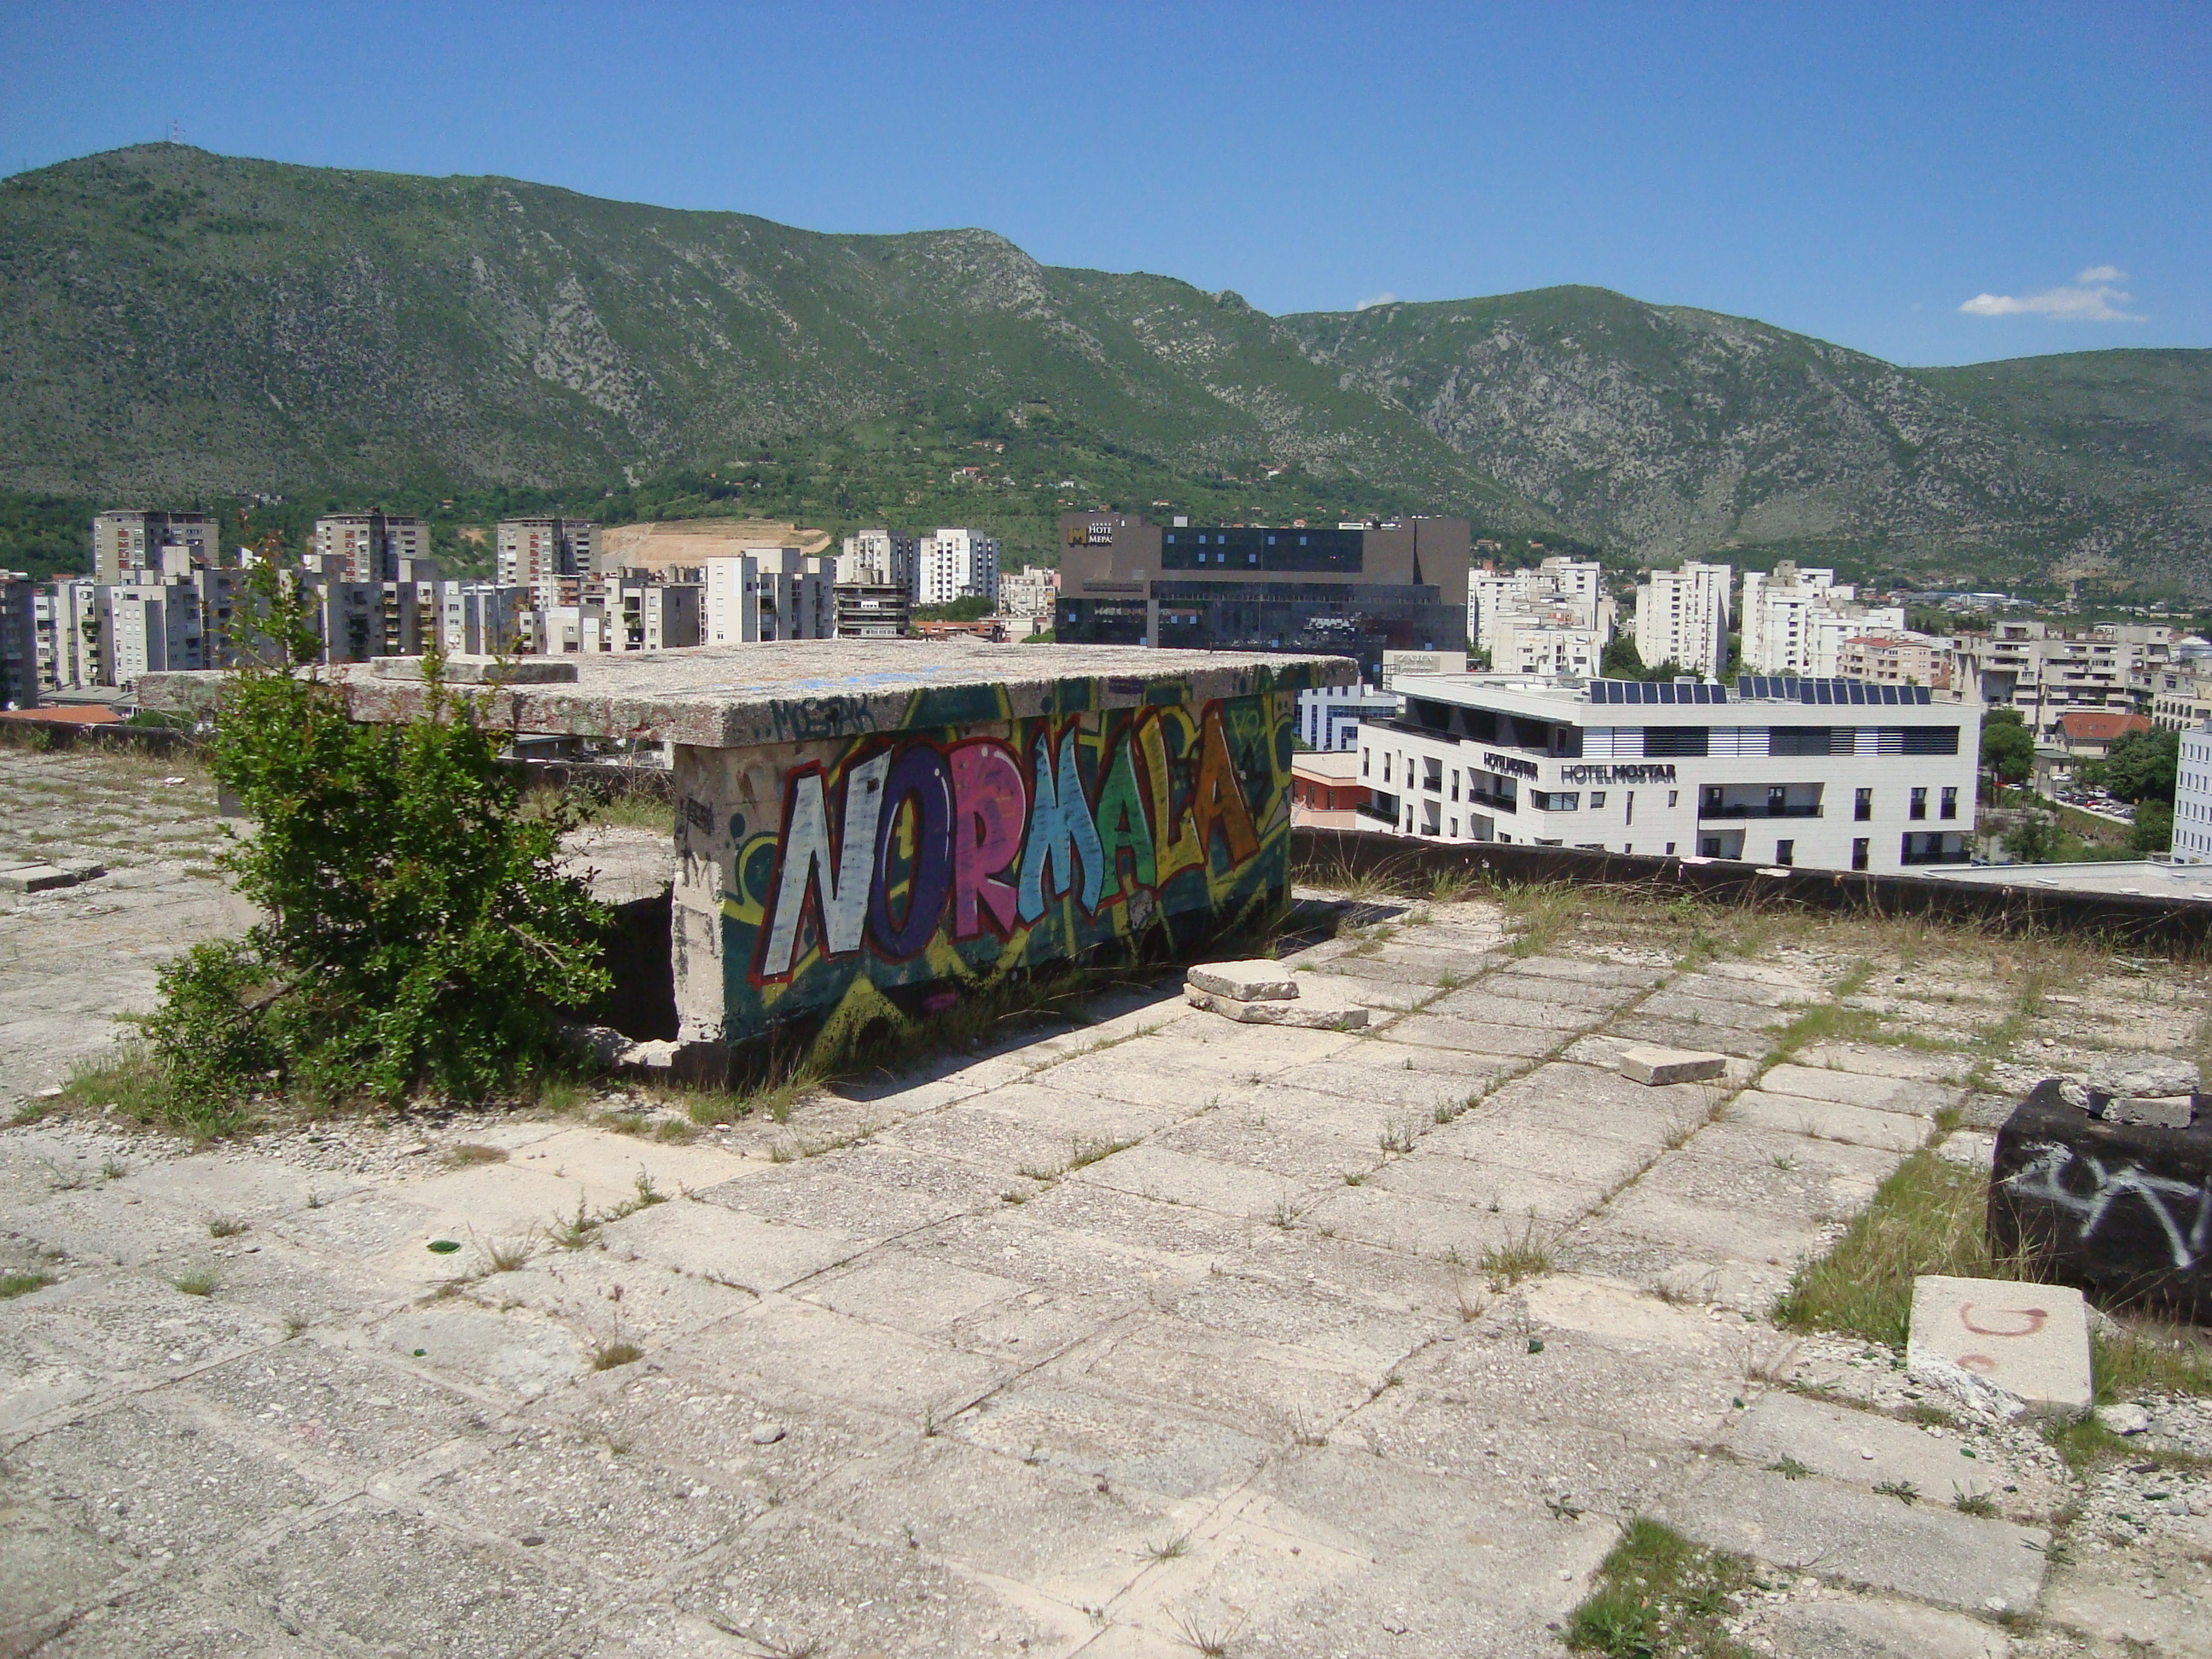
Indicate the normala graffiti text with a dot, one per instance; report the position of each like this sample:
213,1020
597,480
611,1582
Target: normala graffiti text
976,837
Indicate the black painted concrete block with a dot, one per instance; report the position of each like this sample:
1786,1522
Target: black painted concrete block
2121,1210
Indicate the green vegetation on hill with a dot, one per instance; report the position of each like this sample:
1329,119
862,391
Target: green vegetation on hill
177,325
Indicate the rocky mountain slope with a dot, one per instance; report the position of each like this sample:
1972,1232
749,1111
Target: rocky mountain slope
176,322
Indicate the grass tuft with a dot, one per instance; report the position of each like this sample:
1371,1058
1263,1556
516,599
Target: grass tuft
15,1285
224,1226
608,1355
200,1281
1658,1593
469,1153
1516,1259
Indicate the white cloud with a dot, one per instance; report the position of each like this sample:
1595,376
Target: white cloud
2092,299
1385,298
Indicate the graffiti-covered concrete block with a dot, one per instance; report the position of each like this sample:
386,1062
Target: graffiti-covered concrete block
871,829
2122,1209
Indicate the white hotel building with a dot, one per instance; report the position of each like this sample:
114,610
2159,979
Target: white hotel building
1830,775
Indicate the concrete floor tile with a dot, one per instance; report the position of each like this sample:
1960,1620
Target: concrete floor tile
1497,1188
801,1583
1058,1531
351,1414
1864,1448
1371,992
1590,971
827,1354
1263,1387
1176,1177
1673,1003
1411,1226
1548,991
1017,1127
1482,1005
1147,1444
1876,1060
912,1294
866,1192
364,1578
621,1516
1642,1026
1857,1537
51,1572
612,1294
512,1356
1876,1628
154,1484
1848,1089
1171,1235
1355,1333
1405,1078
1523,1141
715,1242
1290,1149
177,1622
1823,1119
1744,1142
1477,1036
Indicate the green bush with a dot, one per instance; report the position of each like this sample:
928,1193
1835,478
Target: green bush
417,936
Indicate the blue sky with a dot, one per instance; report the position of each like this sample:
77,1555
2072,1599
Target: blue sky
1859,171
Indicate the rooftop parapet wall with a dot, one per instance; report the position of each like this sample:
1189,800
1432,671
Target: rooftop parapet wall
736,697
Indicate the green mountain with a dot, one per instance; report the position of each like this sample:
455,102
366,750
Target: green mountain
175,324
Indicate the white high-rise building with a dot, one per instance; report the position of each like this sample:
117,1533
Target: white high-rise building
2192,797
878,558
1544,643
1797,620
171,544
767,593
956,564
1576,586
1682,617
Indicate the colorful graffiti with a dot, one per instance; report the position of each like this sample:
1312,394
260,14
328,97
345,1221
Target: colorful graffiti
927,857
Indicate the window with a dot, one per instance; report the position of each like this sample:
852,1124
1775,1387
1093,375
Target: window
1861,852
1672,794
1709,846
1597,798
1777,799
1785,852
1630,803
1950,807
1556,800
1930,740
1676,740
1801,740
1862,807
1919,808
1670,849
1365,756
1386,768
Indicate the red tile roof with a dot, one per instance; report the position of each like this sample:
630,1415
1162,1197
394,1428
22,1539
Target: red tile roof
65,713
2100,724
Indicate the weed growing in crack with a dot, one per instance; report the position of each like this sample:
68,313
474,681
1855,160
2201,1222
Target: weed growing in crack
608,1355
1789,1468
1398,1135
1086,1151
1168,1549
224,1226
199,1281
1516,1259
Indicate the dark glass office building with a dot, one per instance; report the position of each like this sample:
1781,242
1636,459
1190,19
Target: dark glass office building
1397,585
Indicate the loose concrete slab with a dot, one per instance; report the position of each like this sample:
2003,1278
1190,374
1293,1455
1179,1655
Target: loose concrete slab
1257,980
1855,1628
1823,1119
2022,1348
1842,1534
1323,1009
1660,1066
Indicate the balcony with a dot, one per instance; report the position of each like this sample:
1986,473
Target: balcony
1757,810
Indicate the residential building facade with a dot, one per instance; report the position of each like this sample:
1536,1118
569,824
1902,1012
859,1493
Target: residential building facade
1571,592
1358,590
1830,775
367,547
956,564
1682,617
878,558
1329,717
1798,621
767,593
531,549
18,641
873,610
1026,599
171,544
2192,796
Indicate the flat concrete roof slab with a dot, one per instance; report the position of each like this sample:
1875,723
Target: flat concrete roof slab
735,696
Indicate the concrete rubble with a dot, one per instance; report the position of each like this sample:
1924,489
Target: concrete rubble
1133,1337
2023,1348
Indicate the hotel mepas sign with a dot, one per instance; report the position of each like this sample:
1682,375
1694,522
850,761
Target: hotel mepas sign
1616,774
1096,533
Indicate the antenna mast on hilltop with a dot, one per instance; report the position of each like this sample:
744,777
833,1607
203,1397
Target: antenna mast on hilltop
176,130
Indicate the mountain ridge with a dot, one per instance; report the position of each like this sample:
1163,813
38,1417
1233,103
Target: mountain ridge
175,321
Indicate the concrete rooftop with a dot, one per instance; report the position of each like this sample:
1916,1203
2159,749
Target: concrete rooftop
725,696
1136,1337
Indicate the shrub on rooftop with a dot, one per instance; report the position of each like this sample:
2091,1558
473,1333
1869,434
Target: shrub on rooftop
415,936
